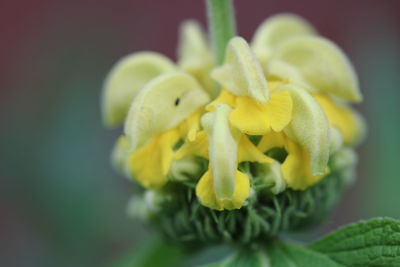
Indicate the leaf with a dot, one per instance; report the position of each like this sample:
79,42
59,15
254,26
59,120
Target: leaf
244,258
291,255
369,243
154,252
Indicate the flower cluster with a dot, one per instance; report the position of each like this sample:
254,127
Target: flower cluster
275,115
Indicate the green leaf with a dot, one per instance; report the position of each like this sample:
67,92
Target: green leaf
291,255
244,258
369,243
154,252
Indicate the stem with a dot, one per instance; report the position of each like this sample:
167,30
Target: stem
221,26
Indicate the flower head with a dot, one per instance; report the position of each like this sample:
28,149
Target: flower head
278,124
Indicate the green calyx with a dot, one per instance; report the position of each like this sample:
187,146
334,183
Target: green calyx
181,218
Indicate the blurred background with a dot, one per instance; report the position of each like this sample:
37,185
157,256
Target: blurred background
61,204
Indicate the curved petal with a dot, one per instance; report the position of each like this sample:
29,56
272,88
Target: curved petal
348,121
191,126
322,64
276,30
151,163
309,127
194,55
258,119
271,140
296,167
222,147
161,105
249,152
225,97
198,147
207,196
193,50
278,70
242,73
124,81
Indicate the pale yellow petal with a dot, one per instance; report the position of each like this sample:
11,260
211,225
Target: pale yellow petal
322,64
194,55
241,72
309,127
193,50
161,105
275,30
277,70
125,80
222,147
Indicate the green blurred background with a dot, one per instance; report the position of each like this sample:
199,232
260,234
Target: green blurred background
61,204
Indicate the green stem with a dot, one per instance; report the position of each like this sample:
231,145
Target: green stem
221,26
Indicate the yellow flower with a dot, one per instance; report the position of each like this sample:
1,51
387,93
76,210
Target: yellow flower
266,108
164,111
291,51
132,72
161,104
341,116
289,87
223,186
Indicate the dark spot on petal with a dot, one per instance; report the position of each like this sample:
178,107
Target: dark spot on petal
177,101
